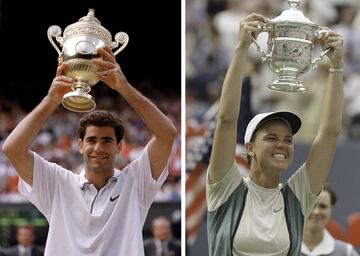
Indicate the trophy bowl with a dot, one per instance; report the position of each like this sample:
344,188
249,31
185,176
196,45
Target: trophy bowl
291,38
79,43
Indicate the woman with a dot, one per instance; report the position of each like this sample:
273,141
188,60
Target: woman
258,215
317,241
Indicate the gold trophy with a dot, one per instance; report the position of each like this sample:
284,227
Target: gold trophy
291,38
79,43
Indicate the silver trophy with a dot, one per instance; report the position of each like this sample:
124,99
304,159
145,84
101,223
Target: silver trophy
291,38
79,43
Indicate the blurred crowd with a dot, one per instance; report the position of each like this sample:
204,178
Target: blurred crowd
57,141
211,35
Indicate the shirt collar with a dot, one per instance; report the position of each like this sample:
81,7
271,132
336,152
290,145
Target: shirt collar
325,247
83,180
160,244
23,249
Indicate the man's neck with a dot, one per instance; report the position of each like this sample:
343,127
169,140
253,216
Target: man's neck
98,179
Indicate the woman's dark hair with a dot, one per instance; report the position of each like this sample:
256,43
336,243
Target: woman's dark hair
328,188
101,118
248,157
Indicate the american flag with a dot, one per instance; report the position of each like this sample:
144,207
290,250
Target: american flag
197,160
199,143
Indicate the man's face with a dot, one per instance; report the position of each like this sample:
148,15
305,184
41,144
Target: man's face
25,236
321,212
273,146
162,230
99,148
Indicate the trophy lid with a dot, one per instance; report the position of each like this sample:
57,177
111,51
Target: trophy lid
293,14
88,25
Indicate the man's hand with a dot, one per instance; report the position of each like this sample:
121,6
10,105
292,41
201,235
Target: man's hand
109,70
60,85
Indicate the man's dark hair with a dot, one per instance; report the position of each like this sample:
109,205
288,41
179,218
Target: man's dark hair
101,118
26,226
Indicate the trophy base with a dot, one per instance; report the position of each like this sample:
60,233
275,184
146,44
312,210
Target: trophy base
287,85
78,101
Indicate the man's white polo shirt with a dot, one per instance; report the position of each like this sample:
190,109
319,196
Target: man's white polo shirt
84,221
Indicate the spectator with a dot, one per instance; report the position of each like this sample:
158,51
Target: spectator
162,243
317,241
25,237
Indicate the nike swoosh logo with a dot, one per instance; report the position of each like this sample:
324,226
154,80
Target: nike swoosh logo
278,210
114,198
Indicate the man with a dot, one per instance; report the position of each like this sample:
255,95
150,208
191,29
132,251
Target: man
25,237
101,211
162,243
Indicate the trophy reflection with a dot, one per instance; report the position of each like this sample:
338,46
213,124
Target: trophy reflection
79,43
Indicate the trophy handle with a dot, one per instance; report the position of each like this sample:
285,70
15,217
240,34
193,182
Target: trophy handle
320,34
55,31
121,38
263,27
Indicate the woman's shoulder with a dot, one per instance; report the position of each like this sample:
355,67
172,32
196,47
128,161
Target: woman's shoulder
344,248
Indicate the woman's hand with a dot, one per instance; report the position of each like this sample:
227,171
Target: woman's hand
335,42
249,27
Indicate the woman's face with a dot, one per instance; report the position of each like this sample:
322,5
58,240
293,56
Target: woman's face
273,147
321,212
